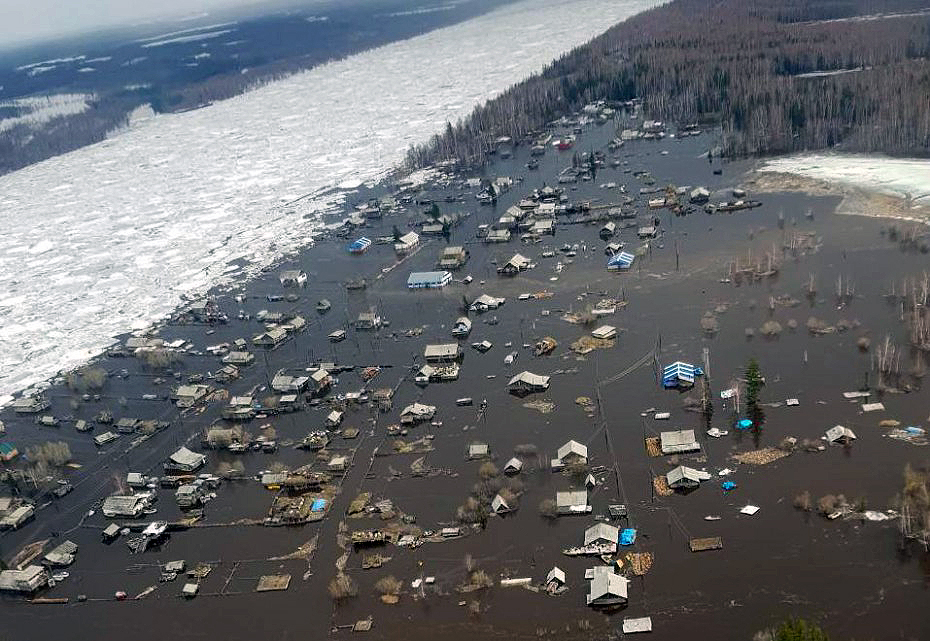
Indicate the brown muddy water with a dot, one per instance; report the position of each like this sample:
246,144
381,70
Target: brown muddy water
850,576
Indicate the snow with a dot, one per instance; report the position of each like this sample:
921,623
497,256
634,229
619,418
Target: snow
168,205
38,110
209,35
901,177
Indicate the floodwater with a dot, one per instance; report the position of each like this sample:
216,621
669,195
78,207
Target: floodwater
849,576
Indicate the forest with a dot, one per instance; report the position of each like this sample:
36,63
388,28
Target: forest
776,75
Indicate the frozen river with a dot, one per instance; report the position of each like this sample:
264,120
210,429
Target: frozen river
106,239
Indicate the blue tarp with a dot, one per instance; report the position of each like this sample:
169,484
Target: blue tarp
622,260
627,536
359,245
743,424
680,374
318,505
728,485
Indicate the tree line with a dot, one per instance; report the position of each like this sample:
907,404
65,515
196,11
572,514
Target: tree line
776,76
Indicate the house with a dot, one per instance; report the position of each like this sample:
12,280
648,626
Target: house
407,243
30,404
841,435
514,266
462,327
527,383
497,236
28,580
572,502
678,442
607,588
453,257
188,395
62,555
649,231
602,534
272,337
604,332
185,460
684,478
484,302
621,261
239,358
125,506
428,280
572,452
555,578
417,413
500,506
445,353
513,466
478,451
293,278
368,321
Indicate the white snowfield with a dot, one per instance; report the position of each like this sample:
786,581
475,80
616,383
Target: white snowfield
105,239
902,177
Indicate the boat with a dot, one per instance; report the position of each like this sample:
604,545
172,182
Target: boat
510,358
711,517
323,306
358,283
337,335
463,401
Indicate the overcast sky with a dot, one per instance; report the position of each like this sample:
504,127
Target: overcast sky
23,21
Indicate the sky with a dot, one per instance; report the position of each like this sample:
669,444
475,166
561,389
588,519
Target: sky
27,21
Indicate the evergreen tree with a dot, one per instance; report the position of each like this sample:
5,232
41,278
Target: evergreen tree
753,382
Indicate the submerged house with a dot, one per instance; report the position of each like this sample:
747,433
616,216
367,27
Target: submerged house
572,502
293,278
500,506
125,506
678,442
453,257
607,588
462,327
621,261
680,375
602,534
428,280
28,580
572,452
417,413
841,435
368,321
513,466
445,353
685,478
527,383
514,266
484,302
407,243
184,460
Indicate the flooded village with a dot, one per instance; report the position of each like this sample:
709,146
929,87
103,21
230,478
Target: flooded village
608,385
